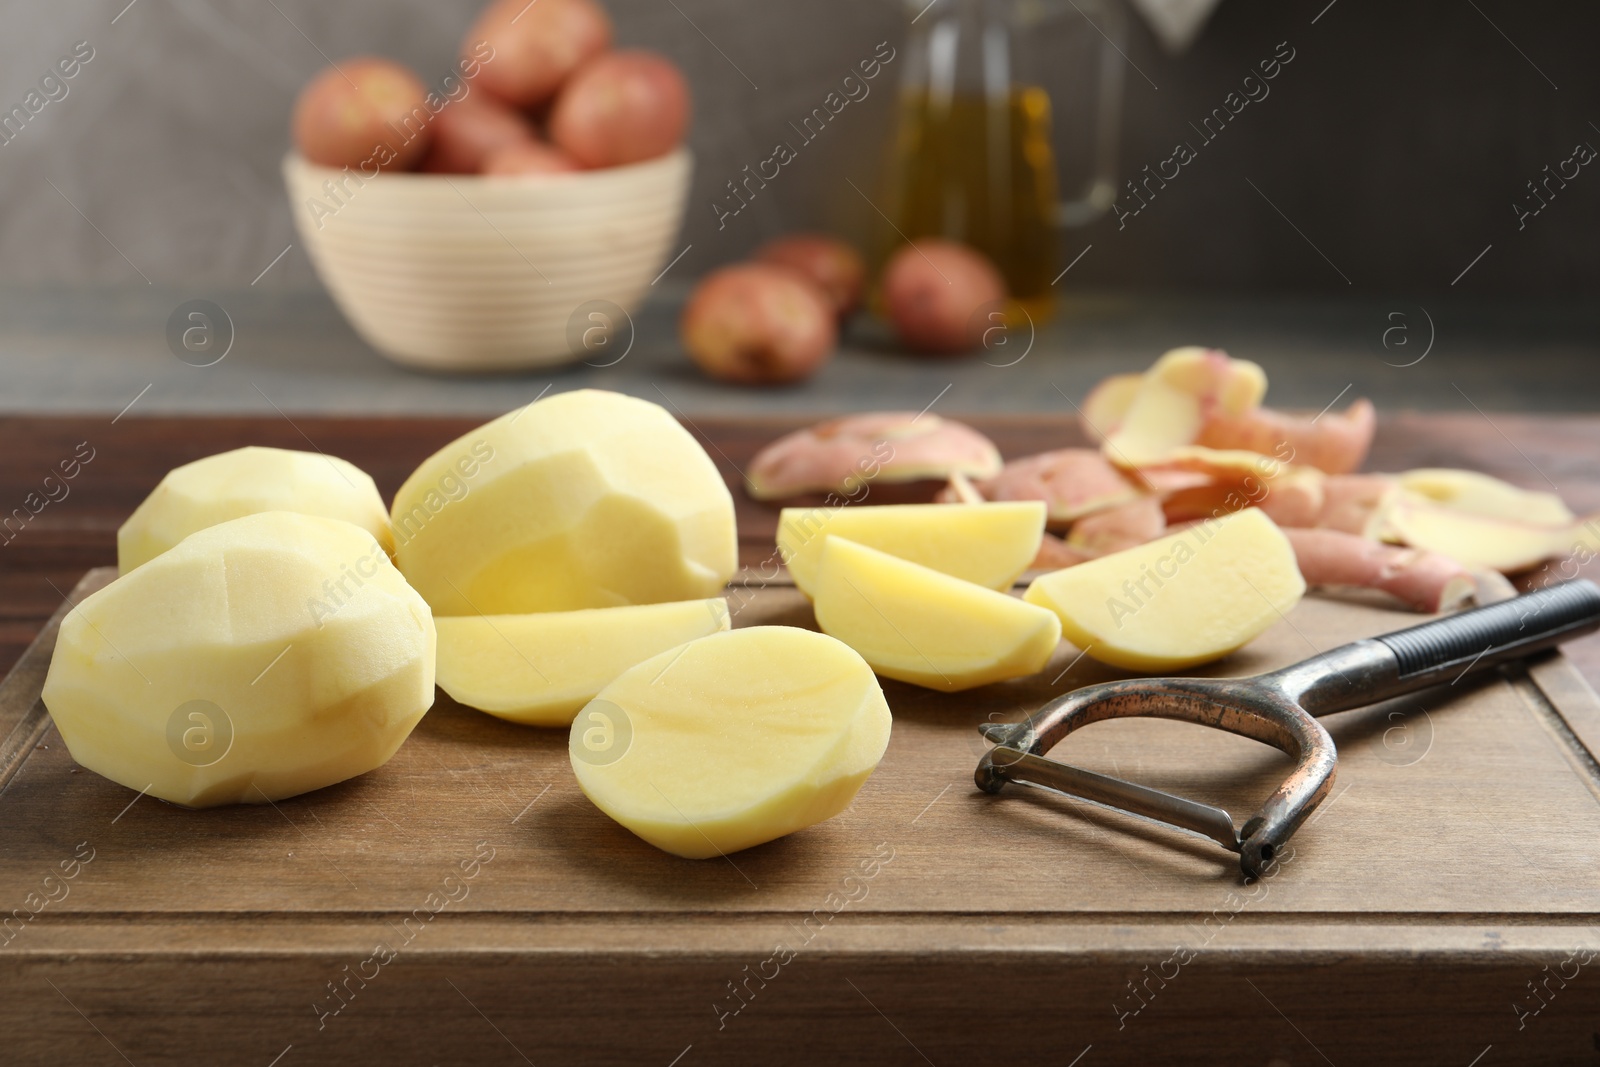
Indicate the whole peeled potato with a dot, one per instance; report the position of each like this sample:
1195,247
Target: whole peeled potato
625,107
470,130
529,157
758,324
537,45
933,288
363,110
836,268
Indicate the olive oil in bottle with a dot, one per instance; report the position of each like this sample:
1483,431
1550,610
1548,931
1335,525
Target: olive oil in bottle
979,168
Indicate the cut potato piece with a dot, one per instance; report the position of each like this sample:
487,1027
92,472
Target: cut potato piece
1481,494
919,626
1482,540
1186,599
1176,397
260,658
732,740
989,544
540,669
248,481
586,499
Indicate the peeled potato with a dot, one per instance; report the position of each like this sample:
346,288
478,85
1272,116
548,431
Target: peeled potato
756,324
916,625
469,131
536,45
933,290
1186,599
243,482
830,264
363,111
540,669
261,658
988,544
732,740
585,499
624,107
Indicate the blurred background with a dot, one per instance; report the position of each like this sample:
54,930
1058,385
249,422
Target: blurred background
1379,177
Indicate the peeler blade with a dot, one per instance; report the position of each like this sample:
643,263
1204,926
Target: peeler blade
1007,763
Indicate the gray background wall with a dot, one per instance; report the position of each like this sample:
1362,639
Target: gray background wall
1395,142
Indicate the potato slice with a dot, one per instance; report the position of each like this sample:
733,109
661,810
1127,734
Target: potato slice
1189,598
917,625
586,499
248,481
259,658
732,740
540,669
989,544
1481,494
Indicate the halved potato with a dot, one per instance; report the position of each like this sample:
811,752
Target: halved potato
732,740
917,625
540,669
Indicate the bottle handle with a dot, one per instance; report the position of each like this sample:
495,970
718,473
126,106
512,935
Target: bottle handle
1100,191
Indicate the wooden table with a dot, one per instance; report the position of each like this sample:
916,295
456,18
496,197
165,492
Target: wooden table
928,924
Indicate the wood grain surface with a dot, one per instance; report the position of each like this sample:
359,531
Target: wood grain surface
1441,906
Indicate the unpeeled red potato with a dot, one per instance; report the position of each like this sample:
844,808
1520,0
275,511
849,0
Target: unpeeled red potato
586,499
357,112
933,288
467,132
231,485
529,157
537,45
624,107
835,267
757,324
259,659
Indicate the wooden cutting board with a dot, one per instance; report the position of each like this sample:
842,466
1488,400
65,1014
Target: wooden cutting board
467,904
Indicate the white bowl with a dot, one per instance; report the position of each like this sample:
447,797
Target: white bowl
463,272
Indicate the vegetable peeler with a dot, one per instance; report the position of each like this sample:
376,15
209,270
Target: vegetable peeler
1280,709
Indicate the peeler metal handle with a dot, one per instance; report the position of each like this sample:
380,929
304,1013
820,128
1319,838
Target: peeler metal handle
1279,709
